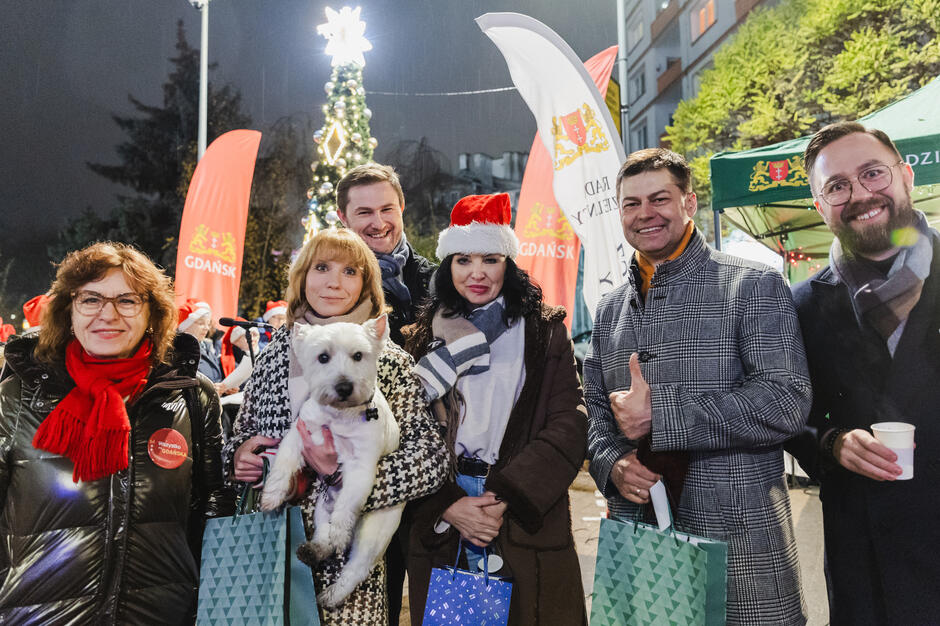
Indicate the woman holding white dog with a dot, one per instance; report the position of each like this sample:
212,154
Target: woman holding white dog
336,278
499,368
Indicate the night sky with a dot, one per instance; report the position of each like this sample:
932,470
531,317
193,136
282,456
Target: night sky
67,66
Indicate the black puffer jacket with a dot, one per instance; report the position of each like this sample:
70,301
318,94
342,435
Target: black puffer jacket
122,549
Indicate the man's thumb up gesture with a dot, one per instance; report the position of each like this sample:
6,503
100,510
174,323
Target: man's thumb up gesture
633,409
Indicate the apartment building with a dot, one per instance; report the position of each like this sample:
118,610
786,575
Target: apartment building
669,44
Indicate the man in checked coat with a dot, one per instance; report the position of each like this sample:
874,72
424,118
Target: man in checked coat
697,375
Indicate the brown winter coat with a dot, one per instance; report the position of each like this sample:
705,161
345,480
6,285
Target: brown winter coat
541,453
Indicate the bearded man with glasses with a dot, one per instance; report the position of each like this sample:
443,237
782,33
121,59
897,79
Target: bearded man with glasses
870,322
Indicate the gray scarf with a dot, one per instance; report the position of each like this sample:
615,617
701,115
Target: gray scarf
392,276
885,303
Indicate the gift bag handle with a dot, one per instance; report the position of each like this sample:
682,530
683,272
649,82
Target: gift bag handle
486,568
242,501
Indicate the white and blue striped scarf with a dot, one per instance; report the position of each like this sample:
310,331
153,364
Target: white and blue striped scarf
461,347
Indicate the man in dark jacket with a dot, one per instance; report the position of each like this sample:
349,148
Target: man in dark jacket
371,204
870,321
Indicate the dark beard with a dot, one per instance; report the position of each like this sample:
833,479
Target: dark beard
876,238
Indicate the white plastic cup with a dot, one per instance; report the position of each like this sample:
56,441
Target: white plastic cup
899,437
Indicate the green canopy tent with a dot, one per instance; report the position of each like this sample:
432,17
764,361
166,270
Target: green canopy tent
765,192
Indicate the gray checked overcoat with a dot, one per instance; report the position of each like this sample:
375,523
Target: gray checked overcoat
727,371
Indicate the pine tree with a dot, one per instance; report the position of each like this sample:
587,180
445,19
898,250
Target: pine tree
344,141
157,159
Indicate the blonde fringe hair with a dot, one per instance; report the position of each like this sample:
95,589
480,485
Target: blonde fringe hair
81,267
334,244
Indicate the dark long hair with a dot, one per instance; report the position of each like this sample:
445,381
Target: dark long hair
522,297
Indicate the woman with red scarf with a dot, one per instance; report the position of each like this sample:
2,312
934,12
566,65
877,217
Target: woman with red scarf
109,452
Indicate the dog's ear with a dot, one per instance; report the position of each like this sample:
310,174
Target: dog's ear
378,330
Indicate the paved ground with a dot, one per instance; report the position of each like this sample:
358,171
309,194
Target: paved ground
587,506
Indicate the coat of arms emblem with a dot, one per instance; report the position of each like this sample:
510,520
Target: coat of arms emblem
212,243
575,134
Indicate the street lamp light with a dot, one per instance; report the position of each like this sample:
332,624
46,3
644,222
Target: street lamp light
203,6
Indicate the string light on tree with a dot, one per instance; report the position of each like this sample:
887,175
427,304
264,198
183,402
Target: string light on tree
344,140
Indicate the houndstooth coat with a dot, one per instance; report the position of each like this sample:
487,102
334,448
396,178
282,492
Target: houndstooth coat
729,383
416,469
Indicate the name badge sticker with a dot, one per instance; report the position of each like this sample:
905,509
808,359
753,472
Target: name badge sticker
167,448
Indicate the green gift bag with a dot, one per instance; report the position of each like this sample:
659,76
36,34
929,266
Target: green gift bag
647,576
250,572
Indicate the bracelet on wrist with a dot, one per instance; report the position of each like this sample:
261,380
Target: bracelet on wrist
830,443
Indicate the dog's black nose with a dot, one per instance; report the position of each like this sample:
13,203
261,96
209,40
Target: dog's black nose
343,389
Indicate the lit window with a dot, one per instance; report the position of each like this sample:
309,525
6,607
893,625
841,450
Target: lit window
702,17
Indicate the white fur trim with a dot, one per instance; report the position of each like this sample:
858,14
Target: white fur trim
478,238
237,333
278,310
195,315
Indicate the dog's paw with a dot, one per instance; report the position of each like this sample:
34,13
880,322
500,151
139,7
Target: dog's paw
332,596
318,550
307,554
341,531
271,499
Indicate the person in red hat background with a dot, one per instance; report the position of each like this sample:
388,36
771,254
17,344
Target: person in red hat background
195,318
515,428
32,313
371,204
275,314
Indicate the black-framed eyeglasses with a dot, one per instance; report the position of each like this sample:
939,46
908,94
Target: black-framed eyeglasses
91,302
874,178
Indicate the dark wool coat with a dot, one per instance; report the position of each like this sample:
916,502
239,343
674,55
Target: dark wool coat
122,549
541,453
720,348
882,538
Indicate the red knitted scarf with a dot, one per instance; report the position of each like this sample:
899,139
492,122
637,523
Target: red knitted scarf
90,424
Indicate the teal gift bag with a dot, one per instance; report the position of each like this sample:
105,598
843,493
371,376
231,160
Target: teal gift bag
250,572
646,576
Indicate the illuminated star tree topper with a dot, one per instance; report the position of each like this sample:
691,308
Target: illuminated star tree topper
344,32
344,141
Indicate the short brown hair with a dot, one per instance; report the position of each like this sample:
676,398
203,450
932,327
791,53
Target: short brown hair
652,159
828,134
89,264
367,174
334,244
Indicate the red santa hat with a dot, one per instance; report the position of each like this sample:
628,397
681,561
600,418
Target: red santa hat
479,225
190,312
33,309
274,307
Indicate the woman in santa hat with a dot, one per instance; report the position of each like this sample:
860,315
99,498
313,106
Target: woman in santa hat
237,361
498,366
195,318
275,314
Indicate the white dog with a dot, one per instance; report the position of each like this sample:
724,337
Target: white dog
339,364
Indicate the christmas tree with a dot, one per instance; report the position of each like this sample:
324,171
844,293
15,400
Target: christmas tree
344,140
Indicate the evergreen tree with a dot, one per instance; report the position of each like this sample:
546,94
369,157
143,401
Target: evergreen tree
344,141
795,67
276,209
157,160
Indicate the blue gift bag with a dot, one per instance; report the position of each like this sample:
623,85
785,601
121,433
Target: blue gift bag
457,596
